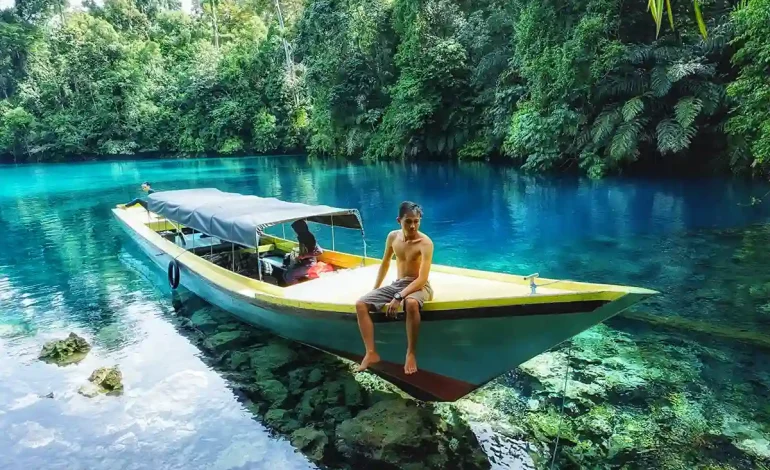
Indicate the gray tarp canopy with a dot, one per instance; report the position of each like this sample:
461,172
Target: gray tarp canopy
239,218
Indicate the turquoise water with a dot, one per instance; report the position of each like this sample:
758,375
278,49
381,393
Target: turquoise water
66,266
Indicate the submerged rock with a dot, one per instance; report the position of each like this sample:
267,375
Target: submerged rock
107,380
274,392
203,321
225,340
65,351
396,431
310,441
272,357
281,421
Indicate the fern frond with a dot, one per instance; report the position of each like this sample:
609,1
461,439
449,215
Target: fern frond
659,82
667,54
687,109
632,108
638,55
680,70
712,96
625,85
604,125
625,141
672,137
583,139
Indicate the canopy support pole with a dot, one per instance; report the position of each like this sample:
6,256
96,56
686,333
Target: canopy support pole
363,238
283,228
232,255
179,232
259,260
332,218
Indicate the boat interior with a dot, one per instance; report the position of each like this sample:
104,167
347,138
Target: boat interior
348,276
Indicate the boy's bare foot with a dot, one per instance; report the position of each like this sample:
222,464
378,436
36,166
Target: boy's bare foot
369,359
410,367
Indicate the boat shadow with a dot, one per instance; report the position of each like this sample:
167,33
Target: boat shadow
336,417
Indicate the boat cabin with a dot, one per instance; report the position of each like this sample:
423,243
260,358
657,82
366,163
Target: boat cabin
229,230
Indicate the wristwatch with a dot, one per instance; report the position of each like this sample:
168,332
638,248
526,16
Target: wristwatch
398,296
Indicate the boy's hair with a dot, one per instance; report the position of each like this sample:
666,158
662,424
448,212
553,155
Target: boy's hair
146,183
409,206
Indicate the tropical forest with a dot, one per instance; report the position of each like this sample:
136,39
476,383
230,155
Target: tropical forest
200,201
595,86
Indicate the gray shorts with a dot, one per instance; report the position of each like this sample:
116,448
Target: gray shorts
379,298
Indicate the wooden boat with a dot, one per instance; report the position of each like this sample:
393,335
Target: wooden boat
478,326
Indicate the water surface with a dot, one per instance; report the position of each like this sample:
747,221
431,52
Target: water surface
65,265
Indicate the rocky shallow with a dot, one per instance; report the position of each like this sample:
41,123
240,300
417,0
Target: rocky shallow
636,398
336,418
637,395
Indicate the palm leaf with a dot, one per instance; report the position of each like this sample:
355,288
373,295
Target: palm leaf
604,125
699,19
625,141
670,14
686,110
660,82
672,137
632,108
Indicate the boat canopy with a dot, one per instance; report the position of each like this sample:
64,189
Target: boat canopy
239,218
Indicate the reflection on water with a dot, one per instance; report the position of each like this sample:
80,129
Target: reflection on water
66,266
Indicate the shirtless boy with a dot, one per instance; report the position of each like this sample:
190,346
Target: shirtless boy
414,253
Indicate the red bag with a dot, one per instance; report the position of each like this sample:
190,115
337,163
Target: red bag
320,267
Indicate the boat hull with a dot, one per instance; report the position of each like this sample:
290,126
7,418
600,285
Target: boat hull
458,351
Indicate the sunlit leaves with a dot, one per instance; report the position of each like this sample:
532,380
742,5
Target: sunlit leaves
632,108
687,110
656,8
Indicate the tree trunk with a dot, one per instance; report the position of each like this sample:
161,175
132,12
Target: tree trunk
216,29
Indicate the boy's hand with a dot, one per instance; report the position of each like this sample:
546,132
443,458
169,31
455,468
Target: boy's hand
392,310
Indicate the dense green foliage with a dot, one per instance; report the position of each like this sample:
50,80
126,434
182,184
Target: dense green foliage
586,84
750,123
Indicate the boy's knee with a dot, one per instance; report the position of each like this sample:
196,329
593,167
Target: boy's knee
412,305
361,307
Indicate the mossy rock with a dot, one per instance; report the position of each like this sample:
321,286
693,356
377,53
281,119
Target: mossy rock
240,360
315,376
107,380
274,392
297,379
203,321
272,357
311,442
71,350
281,420
223,341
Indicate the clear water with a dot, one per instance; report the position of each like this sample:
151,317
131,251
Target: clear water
65,266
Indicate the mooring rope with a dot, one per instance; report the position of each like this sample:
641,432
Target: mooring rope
563,401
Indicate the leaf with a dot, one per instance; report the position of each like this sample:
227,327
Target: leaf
604,125
672,137
632,108
625,141
679,71
660,82
686,110
658,16
699,19
670,14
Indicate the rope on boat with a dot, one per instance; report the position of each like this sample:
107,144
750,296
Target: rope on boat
563,401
